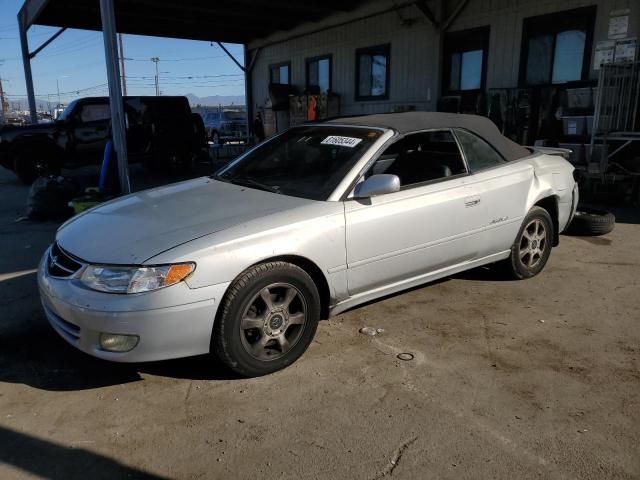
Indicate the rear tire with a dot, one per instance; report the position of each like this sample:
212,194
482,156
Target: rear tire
532,247
267,320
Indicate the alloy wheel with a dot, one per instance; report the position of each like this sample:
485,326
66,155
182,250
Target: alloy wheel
273,321
533,243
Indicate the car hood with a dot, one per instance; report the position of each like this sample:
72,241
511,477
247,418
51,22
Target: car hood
13,130
139,226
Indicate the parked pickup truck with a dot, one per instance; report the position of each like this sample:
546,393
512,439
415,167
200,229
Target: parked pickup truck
162,132
226,126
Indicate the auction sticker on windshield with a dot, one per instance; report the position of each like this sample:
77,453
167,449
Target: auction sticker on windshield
341,141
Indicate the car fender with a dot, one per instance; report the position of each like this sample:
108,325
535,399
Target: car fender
314,233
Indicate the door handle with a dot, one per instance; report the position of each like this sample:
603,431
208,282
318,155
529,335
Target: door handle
472,201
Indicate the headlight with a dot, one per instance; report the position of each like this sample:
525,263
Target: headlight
114,279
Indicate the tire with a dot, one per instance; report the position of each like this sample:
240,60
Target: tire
29,164
255,340
215,138
591,222
532,246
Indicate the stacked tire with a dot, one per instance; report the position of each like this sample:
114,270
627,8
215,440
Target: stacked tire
591,222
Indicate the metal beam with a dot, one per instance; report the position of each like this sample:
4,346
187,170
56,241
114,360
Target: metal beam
26,63
427,12
30,11
44,45
118,130
231,56
451,18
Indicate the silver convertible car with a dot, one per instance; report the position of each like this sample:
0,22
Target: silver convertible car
314,221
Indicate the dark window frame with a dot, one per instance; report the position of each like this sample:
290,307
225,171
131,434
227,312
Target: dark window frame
308,61
554,23
278,65
460,42
383,49
400,138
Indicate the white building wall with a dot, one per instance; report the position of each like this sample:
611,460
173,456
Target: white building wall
415,47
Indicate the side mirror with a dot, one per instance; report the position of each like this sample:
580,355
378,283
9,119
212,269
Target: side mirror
377,185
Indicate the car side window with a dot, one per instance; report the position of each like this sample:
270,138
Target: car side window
421,157
95,112
479,154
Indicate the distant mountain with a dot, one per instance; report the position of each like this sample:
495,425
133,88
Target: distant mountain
215,100
194,100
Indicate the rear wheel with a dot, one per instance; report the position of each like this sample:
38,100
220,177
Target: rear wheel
532,247
268,319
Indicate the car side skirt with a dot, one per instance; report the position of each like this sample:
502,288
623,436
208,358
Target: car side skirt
414,282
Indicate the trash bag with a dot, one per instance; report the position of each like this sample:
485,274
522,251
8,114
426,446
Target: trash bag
49,198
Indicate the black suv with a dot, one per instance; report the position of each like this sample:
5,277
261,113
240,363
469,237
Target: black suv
162,132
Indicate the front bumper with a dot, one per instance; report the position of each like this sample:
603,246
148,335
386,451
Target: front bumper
79,315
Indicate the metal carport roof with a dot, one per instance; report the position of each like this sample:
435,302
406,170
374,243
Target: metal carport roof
234,21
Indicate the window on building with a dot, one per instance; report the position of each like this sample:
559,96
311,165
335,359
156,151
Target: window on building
465,58
479,154
556,48
279,73
372,72
319,73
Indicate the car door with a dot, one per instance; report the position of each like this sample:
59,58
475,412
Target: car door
430,224
502,188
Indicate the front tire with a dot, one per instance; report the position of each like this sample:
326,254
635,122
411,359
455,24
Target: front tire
268,318
29,164
532,247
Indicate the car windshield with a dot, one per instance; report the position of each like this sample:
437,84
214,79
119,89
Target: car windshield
307,162
67,111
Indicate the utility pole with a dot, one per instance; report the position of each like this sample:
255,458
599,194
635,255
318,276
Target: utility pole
124,75
58,88
2,104
156,60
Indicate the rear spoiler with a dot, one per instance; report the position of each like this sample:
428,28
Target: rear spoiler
561,152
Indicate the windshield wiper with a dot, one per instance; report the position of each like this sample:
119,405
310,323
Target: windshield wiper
250,182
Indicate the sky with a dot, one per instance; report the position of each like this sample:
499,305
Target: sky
74,63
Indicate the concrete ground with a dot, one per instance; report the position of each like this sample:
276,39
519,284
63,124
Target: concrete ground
509,380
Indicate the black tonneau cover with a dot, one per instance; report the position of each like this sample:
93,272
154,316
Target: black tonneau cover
408,122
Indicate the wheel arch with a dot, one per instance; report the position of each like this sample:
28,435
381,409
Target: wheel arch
35,142
550,204
311,268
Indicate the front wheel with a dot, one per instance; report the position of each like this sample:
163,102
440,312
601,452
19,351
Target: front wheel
532,247
30,164
268,319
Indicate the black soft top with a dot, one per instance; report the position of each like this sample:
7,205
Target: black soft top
409,122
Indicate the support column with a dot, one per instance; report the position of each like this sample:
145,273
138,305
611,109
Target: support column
26,63
248,97
118,126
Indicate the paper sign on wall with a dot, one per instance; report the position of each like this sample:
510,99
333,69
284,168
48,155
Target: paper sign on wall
626,50
618,26
604,53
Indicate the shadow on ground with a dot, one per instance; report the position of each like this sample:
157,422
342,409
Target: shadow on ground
34,354
49,460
